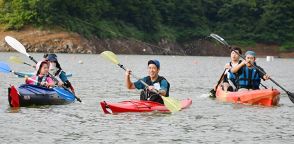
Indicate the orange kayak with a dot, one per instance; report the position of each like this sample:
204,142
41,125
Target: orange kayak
265,97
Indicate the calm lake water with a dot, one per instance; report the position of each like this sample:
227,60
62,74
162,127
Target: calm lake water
206,121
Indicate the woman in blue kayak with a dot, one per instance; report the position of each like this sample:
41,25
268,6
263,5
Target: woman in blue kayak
56,70
156,83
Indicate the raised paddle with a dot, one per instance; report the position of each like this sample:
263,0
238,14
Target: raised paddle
221,40
171,104
15,44
213,91
18,60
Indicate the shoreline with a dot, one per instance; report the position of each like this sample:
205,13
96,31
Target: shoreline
58,41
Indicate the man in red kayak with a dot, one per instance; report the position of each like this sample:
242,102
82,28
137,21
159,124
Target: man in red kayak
156,83
248,77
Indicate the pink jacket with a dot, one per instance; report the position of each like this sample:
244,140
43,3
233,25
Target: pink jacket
48,80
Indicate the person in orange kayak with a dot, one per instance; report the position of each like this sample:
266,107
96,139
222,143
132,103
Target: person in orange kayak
156,83
41,76
229,81
248,77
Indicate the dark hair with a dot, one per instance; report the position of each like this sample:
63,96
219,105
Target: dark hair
236,49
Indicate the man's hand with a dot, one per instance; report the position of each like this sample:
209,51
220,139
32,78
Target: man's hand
266,77
244,62
128,73
227,66
151,88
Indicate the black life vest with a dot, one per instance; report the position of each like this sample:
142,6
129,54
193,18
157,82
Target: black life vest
231,76
149,95
249,78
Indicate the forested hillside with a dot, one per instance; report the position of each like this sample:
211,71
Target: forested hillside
243,22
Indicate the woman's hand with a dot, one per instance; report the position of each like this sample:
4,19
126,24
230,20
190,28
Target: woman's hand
26,78
44,84
60,83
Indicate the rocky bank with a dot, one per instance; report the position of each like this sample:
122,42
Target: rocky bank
58,41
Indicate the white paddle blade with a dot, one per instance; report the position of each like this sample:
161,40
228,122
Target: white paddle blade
109,55
219,39
16,45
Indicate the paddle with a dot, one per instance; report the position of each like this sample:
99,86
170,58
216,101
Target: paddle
171,104
221,40
18,60
213,91
20,48
4,68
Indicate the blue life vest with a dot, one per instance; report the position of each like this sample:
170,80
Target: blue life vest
249,78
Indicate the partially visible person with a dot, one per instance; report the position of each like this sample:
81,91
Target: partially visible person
56,70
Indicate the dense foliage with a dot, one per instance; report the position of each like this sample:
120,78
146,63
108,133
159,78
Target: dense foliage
240,21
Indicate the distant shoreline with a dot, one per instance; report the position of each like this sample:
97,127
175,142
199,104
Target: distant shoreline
49,41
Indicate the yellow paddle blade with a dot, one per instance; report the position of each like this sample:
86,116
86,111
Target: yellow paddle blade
15,60
171,104
109,55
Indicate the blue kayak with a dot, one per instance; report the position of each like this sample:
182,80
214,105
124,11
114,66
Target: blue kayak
28,95
30,74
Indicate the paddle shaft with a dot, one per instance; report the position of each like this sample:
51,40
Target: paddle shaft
28,64
219,81
18,74
144,83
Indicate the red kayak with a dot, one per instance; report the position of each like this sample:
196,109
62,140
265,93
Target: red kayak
138,106
265,97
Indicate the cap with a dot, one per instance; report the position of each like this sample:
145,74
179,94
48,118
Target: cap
155,62
250,53
52,57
